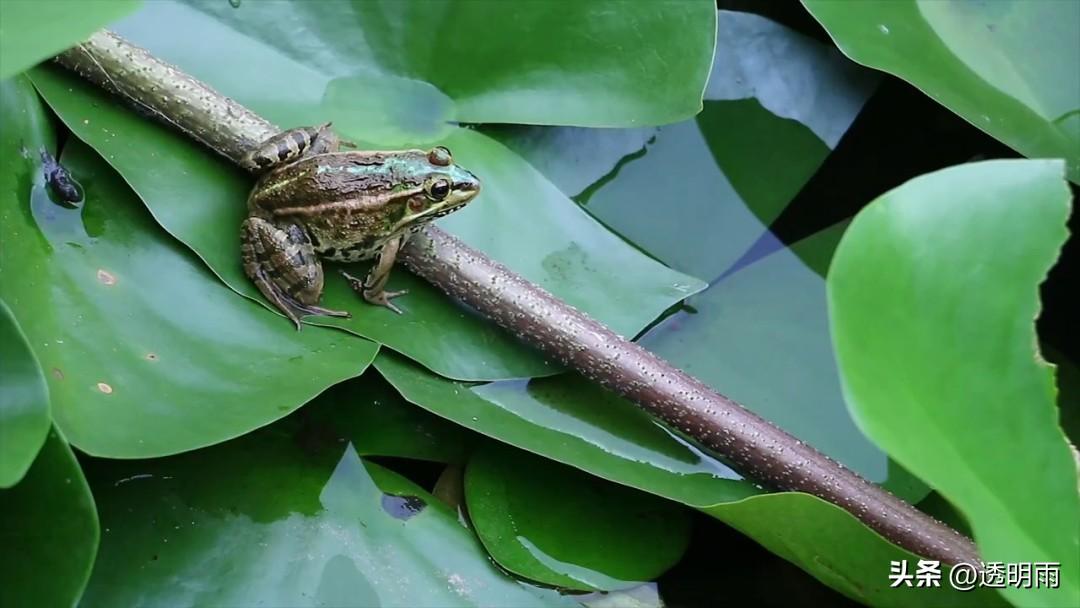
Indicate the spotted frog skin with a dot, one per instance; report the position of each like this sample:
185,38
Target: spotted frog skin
315,202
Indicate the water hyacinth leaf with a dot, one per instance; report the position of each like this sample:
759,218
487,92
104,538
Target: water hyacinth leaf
34,31
933,295
1011,69
568,251
48,531
144,352
550,523
309,524
24,402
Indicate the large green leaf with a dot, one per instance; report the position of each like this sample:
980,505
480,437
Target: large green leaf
33,31
1010,68
188,191
24,401
275,519
573,421
370,414
145,352
933,295
601,63
48,531
766,128
557,525
576,423
841,552
777,102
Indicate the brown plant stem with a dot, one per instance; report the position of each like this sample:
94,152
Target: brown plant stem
750,443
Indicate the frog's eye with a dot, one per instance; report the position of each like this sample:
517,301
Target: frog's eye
440,156
438,189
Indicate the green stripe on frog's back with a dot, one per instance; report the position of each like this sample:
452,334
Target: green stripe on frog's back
341,176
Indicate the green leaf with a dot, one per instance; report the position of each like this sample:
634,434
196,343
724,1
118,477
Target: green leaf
829,543
145,352
200,201
48,531
24,401
573,421
767,321
761,321
370,414
557,525
933,295
189,190
776,103
1011,69
606,51
33,31
272,519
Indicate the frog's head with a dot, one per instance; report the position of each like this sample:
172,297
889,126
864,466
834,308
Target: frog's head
440,187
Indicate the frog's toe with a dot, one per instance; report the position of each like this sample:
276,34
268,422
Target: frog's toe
383,298
325,312
355,283
376,296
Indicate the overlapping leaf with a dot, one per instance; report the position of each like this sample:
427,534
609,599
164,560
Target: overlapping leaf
24,402
553,524
562,249
48,531
144,351
286,520
1011,69
699,193
33,31
933,296
728,173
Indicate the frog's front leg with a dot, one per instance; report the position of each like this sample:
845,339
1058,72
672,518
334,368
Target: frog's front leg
373,286
283,265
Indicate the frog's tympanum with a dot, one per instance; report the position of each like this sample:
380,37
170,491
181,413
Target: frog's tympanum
315,202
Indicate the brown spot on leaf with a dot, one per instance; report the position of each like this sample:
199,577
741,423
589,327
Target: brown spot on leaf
105,277
59,375
105,388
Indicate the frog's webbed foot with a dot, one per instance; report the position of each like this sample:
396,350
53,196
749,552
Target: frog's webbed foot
283,265
379,297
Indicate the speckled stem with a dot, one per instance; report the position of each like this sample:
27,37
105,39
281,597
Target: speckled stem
162,91
751,444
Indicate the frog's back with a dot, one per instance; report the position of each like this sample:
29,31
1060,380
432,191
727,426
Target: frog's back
333,177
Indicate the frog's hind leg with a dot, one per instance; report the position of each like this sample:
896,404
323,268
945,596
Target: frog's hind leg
282,263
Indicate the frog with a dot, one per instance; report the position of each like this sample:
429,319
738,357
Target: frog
314,201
